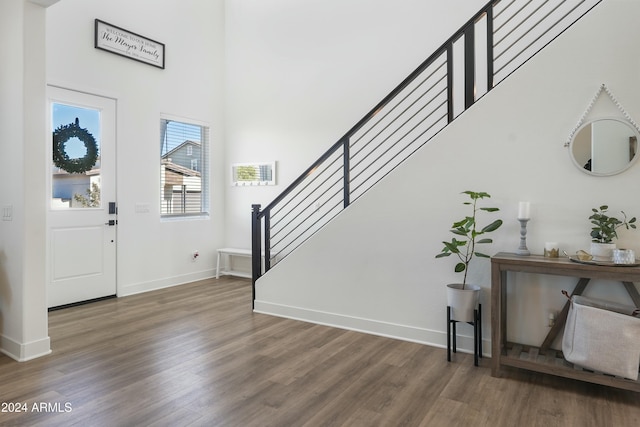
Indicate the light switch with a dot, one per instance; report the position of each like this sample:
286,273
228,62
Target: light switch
142,208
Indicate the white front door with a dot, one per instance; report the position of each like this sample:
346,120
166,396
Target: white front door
81,198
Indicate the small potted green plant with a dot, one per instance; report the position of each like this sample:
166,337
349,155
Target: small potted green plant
605,230
463,297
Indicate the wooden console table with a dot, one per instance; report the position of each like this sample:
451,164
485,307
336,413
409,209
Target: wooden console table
543,358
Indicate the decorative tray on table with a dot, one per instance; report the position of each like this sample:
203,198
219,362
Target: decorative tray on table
604,263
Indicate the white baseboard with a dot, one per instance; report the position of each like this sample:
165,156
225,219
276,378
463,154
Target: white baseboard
138,288
390,330
24,351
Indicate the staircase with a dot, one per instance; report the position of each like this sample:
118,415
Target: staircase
494,43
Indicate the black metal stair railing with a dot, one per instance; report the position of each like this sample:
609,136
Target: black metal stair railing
496,41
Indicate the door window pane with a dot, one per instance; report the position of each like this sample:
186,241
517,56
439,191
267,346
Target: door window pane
75,167
184,169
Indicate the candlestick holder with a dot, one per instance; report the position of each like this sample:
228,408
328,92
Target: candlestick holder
522,250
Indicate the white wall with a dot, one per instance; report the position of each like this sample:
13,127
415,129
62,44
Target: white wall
151,253
373,267
23,314
300,74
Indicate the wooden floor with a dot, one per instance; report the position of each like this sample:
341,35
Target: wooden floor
195,355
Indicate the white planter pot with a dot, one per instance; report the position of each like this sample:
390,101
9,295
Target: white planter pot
602,251
462,301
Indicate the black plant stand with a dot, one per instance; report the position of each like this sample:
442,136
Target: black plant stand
477,333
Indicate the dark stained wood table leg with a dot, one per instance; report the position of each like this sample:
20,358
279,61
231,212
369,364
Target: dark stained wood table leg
633,292
498,317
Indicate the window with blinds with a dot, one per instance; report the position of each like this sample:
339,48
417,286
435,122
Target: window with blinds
184,169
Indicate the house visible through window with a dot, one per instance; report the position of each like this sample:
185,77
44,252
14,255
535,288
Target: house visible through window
183,169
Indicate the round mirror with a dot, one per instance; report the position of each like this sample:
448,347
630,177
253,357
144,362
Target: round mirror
604,146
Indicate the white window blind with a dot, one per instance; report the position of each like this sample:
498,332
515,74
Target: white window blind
184,169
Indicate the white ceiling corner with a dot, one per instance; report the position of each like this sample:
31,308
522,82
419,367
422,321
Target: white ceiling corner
44,3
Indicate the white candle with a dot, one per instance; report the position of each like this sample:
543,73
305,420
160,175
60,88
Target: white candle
550,245
523,210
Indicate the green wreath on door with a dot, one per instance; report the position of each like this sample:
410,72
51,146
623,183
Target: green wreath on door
60,157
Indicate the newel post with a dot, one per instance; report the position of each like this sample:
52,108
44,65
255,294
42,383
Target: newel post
256,250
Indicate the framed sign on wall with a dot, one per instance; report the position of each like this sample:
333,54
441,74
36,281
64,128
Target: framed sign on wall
130,45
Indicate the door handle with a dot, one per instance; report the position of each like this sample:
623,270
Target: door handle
111,222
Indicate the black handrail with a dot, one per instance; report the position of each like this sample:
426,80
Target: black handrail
423,66
446,50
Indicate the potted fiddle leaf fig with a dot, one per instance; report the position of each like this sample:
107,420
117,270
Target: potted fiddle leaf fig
605,231
468,234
